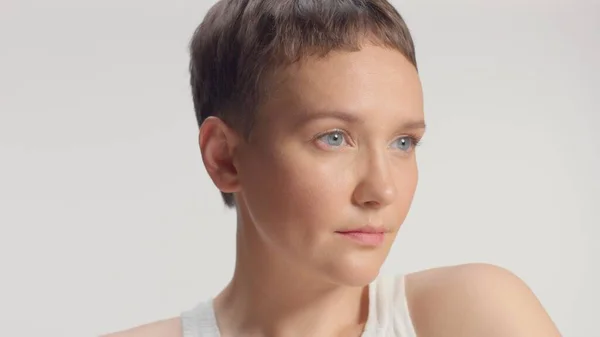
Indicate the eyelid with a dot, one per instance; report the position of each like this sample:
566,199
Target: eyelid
416,140
347,138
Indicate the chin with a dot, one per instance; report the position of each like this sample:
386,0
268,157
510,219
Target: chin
354,272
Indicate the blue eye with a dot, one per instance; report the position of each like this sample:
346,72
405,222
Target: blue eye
335,138
405,143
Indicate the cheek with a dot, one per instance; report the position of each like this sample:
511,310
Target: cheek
284,190
406,180
290,194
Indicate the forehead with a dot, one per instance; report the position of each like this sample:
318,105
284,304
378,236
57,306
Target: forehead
373,82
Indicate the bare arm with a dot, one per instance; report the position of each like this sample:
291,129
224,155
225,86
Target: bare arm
475,300
166,328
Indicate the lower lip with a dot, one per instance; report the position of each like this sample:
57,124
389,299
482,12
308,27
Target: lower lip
367,239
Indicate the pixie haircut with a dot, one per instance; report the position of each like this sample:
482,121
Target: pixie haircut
241,43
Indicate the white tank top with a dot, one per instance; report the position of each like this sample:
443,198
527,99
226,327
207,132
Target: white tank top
388,313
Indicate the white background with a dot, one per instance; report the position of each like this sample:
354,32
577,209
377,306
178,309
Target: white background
108,219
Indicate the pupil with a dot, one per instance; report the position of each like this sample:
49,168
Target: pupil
335,138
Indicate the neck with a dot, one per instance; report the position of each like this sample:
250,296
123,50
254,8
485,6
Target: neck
269,295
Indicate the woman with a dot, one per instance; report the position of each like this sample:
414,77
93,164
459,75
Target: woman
309,115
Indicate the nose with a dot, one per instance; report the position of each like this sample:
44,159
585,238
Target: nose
376,188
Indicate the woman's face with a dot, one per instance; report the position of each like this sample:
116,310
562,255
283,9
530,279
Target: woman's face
332,156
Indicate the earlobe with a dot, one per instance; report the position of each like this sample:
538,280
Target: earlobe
217,143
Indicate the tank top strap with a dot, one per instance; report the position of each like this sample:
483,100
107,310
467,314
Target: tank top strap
388,309
200,321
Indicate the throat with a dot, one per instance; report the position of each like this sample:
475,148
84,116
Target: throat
339,312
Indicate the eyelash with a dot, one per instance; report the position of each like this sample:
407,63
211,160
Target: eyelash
415,140
342,132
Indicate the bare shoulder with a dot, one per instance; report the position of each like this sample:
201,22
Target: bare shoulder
165,328
475,300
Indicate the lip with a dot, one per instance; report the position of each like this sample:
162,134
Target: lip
366,229
367,235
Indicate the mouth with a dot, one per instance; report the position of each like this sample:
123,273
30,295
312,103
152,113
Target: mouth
366,236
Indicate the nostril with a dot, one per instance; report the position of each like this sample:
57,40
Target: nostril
372,204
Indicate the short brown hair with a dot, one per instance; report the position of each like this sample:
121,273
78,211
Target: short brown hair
240,42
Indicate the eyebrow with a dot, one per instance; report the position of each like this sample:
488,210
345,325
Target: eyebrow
350,118
411,125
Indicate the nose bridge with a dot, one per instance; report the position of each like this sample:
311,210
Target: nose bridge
376,186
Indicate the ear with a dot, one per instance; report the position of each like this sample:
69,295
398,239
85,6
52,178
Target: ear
217,144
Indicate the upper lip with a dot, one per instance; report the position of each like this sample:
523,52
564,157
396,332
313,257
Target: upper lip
365,229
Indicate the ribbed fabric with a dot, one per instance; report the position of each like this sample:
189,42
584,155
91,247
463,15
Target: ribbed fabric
200,321
388,309
388,313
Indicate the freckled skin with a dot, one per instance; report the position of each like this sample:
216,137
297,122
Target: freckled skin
300,179
297,190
